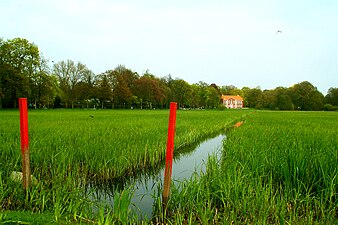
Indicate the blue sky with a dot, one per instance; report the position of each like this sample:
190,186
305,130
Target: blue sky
223,42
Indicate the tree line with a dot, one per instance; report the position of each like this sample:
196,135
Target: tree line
25,72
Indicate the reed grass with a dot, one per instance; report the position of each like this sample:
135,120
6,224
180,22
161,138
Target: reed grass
277,168
70,148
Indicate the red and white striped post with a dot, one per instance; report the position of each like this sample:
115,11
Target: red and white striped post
24,142
169,153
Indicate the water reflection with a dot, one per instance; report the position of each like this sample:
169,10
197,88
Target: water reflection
145,185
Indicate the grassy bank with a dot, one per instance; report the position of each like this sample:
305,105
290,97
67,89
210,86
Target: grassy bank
277,168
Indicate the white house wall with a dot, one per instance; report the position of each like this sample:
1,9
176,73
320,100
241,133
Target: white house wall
232,103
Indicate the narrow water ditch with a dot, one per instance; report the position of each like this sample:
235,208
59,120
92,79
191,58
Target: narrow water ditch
145,185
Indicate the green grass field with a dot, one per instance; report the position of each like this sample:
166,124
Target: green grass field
277,168
71,147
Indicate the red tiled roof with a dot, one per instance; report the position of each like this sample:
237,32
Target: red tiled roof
236,97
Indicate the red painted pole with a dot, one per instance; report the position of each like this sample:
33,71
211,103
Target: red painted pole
169,153
24,142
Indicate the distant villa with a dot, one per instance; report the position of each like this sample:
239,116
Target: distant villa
232,101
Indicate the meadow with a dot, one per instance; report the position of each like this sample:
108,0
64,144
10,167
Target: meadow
71,148
277,168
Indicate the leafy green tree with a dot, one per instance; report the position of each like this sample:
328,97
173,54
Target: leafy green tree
332,96
269,99
144,91
161,92
212,97
13,84
21,55
123,85
70,74
195,100
57,102
283,100
278,98
155,87
104,90
300,94
85,89
123,94
305,96
202,94
316,101
231,90
254,98
166,83
112,80
181,91
19,63
127,75
62,71
25,73
245,92
43,85
150,90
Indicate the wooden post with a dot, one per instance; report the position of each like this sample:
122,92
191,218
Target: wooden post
169,153
26,176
